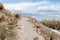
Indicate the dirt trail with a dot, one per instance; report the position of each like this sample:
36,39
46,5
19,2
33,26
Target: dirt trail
27,32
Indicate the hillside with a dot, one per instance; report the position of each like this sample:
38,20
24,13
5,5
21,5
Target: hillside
14,26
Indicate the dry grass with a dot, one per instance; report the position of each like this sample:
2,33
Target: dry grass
7,26
55,24
8,23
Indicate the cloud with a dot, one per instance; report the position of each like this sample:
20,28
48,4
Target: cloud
29,7
44,8
19,6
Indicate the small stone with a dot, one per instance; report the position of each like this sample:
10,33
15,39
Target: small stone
36,38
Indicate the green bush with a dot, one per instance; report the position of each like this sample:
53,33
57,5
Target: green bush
52,24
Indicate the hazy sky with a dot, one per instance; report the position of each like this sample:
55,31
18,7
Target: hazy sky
31,3
41,7
18,1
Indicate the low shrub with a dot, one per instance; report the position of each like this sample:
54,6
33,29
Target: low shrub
52,24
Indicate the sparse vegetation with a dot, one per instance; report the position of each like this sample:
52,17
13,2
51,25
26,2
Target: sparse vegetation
7,25
55,24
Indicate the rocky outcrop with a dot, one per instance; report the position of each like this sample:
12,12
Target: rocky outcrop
17,27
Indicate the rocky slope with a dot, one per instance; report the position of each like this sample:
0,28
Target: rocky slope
17,27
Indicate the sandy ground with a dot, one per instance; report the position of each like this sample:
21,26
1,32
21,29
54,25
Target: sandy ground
25,31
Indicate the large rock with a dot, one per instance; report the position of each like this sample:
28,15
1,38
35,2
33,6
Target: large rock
17,27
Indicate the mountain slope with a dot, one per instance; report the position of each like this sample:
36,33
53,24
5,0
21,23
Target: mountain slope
15,26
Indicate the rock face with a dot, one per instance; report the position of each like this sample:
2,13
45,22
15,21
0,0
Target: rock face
17,27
